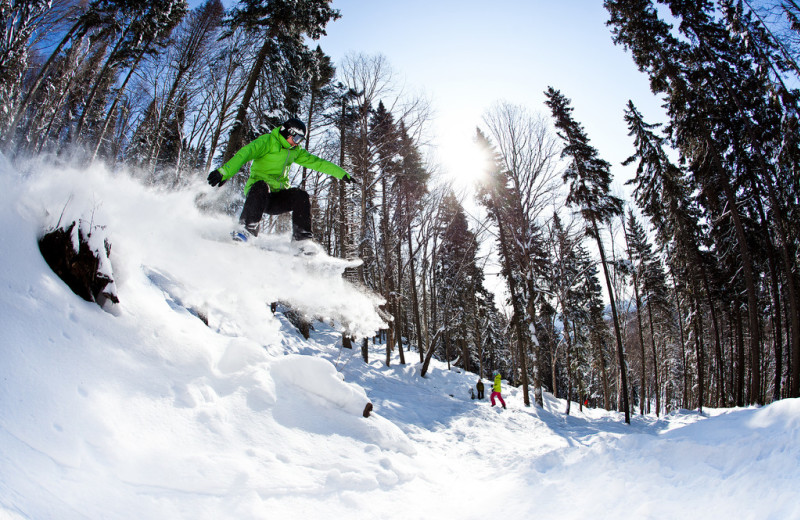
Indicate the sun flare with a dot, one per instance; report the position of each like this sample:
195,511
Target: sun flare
464,164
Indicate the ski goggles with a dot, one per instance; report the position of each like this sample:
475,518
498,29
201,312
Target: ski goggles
297,135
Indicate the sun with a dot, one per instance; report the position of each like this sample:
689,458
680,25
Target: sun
463,163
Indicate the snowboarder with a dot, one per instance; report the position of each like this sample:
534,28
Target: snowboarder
479,386
267,189
496,390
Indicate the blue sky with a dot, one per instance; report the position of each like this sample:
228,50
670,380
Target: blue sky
467,55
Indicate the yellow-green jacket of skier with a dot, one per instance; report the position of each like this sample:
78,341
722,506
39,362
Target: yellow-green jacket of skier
272,157
496,385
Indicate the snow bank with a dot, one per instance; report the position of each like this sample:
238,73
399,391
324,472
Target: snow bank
319,378
192,400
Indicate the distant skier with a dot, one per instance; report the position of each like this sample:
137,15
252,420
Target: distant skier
496,390
267,189
479,386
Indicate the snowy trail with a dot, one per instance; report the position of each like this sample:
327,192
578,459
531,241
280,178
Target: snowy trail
146,412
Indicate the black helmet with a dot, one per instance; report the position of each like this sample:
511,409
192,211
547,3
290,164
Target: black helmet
293,127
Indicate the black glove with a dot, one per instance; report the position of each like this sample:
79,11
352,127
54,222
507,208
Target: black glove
215,178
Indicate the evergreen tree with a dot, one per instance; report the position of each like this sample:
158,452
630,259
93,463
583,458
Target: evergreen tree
729,126
567,281
322,93
457,272
497,195
144,26
589,180
410,187
663,192
18,21
100,17
385,140
595,330
654,297
274,22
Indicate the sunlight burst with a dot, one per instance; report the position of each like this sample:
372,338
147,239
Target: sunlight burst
463,162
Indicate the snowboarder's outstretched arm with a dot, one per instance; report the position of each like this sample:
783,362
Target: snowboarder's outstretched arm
318,164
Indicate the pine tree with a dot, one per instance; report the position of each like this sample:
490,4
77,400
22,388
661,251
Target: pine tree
410,187
567,282
654,294
18,21
662,191
144,26
273,22
730,124
322,93
589,179
595,330
385,140
457,270
100,17
644,402
495,195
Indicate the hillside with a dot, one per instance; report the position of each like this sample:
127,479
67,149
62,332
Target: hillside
142,410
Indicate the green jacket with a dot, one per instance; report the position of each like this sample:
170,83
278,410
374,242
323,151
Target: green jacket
496,385
272,156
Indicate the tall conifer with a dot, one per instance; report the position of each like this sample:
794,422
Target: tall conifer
589,180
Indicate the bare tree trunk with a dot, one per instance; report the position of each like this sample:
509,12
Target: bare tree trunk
519,311
113,107
752,299
107,66
568,339
740,356
777,327
700,354
398,307
236,139
643,398
20,108
620,352
717,340
683,339
414,295
657,388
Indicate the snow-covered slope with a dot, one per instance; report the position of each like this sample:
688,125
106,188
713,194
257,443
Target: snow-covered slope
144,411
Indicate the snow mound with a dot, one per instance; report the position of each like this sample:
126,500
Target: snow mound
319,378
321,384
192,400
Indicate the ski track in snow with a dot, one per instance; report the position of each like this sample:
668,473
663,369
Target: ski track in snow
143,411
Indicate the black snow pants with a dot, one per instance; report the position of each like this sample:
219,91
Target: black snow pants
259,201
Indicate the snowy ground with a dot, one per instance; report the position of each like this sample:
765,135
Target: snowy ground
143,411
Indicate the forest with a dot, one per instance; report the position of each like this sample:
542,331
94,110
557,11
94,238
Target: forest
685,296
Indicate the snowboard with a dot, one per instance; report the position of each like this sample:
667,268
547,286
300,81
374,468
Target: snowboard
311,254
